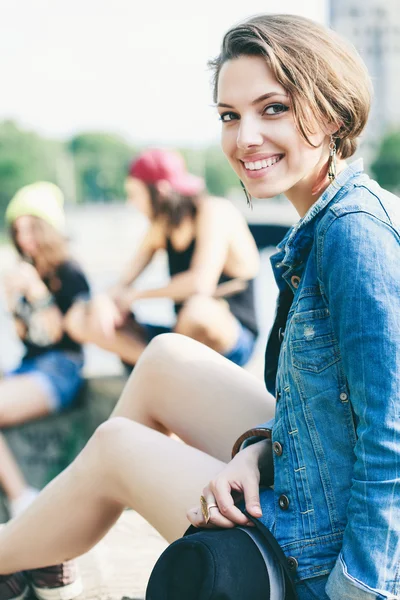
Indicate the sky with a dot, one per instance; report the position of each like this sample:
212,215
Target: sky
135,68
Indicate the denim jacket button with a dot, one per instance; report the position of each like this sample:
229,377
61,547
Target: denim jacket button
295,281
343,396
292,563
283,502
277,448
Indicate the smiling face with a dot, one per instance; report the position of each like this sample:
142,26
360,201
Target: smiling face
260,137
25,232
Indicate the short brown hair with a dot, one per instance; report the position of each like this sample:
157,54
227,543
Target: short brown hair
319,70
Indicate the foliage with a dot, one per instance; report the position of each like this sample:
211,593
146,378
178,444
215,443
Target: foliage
214,167
25,157
101,162
386,166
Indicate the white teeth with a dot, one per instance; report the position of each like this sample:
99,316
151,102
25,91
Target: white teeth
262,164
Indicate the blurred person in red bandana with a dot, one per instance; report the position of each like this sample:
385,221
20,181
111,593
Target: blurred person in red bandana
212,260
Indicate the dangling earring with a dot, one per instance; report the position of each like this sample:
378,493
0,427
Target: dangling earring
246,193
332,159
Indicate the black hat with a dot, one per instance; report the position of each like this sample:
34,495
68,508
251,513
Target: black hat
221,564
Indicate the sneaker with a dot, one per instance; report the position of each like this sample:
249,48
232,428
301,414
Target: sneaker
59,582
13,587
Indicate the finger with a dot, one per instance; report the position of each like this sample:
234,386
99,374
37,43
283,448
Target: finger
216,518
223,493
195,517
251,492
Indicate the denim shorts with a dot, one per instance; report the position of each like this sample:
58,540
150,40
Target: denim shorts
240,353
58,373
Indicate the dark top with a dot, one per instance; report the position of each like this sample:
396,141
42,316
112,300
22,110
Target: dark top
67,285
241,304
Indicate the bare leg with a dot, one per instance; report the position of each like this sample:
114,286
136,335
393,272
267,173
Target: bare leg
11,479
182,387
209,321
126,463
128,341
21,399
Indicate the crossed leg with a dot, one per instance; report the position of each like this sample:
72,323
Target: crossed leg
178,386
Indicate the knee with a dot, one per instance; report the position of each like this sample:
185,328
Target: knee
75,322
107,445
164,349
108,433
194,318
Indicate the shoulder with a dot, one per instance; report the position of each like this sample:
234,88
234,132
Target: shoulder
366,211
217,208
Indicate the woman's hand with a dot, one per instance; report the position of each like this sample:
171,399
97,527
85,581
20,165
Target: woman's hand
124,299
104,314
240,478
21,279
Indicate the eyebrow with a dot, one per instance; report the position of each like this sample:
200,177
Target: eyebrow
256,101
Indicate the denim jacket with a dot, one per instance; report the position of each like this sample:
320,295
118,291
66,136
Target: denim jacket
335,505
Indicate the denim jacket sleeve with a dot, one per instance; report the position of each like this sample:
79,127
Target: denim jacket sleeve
359,272
251,436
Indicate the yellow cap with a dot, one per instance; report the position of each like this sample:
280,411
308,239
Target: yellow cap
41,199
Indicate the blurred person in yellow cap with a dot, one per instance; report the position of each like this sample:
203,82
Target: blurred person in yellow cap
212,261
39,291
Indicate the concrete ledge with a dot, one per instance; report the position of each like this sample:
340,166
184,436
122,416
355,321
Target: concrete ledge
45,447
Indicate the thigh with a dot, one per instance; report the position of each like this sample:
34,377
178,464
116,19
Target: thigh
23,398
181,386
157,476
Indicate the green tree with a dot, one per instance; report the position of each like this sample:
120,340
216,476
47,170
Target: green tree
25,157
386,167
101,162
211,164
220,177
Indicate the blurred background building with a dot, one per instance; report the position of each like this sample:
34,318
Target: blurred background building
373,26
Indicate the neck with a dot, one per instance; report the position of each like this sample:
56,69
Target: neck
307,191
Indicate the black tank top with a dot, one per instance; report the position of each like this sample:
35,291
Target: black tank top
241,304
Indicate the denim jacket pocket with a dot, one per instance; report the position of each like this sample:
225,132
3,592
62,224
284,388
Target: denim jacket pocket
312,341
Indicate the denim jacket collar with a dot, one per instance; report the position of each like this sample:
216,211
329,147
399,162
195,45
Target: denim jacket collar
296,245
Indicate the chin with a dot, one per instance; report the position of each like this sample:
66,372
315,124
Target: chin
264,192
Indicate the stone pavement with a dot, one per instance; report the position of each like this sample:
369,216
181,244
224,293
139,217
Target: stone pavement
119,566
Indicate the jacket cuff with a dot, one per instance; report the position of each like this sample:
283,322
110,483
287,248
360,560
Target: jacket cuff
341,585
252,436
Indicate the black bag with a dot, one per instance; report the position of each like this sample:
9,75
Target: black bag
243,563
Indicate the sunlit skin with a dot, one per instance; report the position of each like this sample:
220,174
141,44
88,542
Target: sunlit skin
26,236
258,124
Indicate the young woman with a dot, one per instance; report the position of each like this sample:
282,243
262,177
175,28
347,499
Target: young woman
293,99
212,260
40,290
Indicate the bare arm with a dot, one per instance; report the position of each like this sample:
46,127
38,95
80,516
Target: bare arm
212,243
152,241
45,319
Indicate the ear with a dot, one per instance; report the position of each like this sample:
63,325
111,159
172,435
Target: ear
164,188
332,128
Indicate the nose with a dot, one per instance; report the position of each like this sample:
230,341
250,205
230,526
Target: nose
249,133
